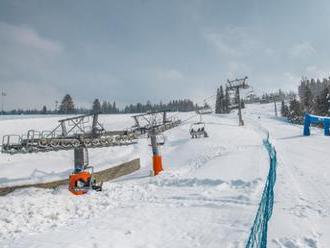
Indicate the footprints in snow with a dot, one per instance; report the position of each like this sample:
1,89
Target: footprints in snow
305,209
296,243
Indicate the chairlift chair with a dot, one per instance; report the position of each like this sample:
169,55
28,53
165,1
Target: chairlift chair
197,130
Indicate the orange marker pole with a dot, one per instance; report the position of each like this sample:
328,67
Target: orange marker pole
156,158
157,164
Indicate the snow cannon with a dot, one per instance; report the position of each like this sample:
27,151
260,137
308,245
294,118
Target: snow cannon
81,180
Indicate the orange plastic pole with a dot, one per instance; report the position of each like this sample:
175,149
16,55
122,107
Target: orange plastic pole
157,164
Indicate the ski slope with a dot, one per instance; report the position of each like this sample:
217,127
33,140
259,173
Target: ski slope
207,195
301,216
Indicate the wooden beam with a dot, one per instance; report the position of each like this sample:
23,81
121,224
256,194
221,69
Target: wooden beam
104,176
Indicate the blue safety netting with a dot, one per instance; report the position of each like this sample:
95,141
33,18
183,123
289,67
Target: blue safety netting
258,235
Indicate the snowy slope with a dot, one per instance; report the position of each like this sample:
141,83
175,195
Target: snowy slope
301,216
207,196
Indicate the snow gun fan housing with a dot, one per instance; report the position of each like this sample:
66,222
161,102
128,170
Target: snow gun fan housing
80,183
81,180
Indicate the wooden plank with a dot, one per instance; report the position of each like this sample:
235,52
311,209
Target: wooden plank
104,175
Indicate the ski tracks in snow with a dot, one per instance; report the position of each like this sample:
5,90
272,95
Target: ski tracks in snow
209,203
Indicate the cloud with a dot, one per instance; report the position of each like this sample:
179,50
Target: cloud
28,66
290,79
302,50
26,95
221,44
28,38
162,80
269,51
233,41
237,69
314,71
165,75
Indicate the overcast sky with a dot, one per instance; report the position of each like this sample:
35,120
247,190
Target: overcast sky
132,51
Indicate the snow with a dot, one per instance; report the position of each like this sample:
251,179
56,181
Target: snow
207,195
301,215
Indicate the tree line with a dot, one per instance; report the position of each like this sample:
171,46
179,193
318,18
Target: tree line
67,106
224,102
314,98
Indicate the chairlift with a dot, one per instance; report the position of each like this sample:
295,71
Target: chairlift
206,109
197,130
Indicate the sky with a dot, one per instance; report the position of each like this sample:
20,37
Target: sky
139,50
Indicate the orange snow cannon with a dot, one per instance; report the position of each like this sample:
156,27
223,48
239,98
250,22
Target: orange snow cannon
157,164
79,183
81,180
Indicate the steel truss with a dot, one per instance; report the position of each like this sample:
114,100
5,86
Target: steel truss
87,131
84,130
158,121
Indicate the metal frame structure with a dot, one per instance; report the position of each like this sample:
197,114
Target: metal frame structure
70,133
154,124
85,131
157,120
236,85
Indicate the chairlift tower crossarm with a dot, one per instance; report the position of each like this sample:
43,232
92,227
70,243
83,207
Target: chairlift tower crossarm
236,85
158,120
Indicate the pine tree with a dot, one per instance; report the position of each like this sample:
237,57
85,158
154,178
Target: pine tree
322,103
227,100
284,109
110,108
114,107
217,102
295,111
104,107
307,100
67,105
44,110
221,101
96,106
